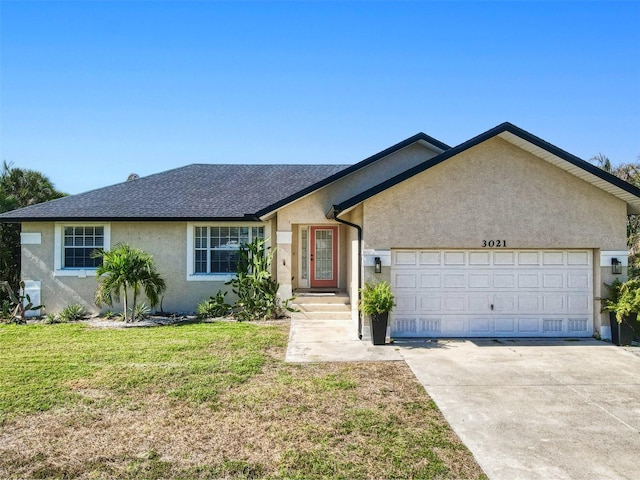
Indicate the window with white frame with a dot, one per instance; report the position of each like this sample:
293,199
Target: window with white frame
75,244
79,245
216,248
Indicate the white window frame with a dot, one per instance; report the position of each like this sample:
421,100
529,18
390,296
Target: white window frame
192,276
58,269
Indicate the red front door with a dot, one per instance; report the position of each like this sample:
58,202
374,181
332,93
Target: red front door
324,257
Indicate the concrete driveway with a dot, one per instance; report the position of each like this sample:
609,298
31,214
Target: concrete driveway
537,409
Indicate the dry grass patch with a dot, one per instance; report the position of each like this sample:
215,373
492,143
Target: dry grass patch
201,412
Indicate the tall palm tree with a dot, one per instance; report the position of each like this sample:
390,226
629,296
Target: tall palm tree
18,188
127,268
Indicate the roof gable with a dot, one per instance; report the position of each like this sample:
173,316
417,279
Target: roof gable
420,138
528,142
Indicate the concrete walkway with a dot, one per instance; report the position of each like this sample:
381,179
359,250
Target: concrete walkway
328,337
527,409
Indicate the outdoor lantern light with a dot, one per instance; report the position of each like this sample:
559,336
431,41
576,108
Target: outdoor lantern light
616,266
378,267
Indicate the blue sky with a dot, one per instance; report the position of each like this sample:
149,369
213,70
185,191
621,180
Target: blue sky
94,90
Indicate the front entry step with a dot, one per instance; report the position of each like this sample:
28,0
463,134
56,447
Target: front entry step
321,298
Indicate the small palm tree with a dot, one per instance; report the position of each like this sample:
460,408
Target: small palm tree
127,268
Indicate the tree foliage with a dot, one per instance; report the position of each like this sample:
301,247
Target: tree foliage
19,188
255,287
629,172
126,268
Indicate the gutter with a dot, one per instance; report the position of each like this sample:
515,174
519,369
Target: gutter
333,213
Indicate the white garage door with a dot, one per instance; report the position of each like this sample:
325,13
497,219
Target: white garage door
492,293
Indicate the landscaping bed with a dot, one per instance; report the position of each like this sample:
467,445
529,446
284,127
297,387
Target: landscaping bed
209,400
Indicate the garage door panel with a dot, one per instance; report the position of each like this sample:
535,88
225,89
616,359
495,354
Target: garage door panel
431,303
455,258
578,325
480,280
504,325
528,258
455,280
504,302
480,303
528,325
528,304
504,258
433,280
430,258
552,326
405,280
578,258
553,303
406,303
578,280
528,280
455,304
480,325
405,258
578,303
492,293
480,258
504,280
553,259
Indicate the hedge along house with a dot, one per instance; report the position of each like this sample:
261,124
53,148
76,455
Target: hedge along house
503,235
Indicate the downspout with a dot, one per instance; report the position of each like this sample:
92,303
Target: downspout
336,211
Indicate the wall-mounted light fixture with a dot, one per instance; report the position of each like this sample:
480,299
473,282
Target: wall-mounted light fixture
616,266
378,265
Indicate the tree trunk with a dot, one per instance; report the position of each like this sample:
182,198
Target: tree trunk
126,318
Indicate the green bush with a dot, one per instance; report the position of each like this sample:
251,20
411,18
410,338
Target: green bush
214,307
257,291
72,313
140,311
376,298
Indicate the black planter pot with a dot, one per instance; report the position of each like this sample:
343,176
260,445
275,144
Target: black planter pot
622,333
378,323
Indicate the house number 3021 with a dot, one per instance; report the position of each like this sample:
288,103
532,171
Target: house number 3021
494,243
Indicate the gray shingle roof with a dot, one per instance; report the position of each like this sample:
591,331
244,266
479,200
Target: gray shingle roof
193,192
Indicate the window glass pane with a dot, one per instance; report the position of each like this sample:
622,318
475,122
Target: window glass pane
80,244
305,254
216,247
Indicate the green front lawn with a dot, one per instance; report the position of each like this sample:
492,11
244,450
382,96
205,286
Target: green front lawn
209,401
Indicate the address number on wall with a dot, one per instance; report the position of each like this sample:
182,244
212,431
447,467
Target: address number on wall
494,243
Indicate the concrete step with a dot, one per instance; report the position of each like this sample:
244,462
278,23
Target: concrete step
323,307
339,298
331,316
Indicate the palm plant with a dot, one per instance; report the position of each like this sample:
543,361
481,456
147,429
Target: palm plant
18,188
127,268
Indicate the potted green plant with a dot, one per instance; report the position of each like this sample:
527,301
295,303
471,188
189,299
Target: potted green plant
377,301
623,306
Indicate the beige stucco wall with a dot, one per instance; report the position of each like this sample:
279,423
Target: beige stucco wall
166,241
312,210
495,191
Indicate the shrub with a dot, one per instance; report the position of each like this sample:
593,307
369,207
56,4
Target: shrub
214,307
72,313
376,298
140,311
257,291
15,309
